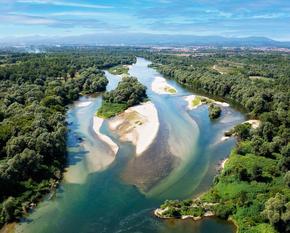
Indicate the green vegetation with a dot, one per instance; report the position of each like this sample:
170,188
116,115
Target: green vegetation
194,208
253,189
34,92
129,92
95,81
108,109
196,101
119,70
170,90
214,111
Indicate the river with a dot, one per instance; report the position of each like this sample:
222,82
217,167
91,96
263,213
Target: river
120,195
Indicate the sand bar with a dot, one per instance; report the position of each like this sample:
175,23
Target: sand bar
138,124
84,104
160,86
189,99
96,126
224,104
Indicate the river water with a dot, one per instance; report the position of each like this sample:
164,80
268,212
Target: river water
101,194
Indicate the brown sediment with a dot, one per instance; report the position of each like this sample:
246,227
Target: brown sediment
8,228
156,163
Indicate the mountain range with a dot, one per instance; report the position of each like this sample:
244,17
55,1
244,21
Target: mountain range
142,39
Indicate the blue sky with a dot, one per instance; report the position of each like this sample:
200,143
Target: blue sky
231,18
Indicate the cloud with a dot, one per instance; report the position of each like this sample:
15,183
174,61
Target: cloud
62,3
271,16
25,19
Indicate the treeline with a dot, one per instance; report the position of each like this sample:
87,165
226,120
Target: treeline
34,92
129,92
253,189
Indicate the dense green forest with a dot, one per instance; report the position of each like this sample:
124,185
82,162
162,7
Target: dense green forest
129,92
34,92
254,187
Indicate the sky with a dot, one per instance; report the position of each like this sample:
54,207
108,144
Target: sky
229,18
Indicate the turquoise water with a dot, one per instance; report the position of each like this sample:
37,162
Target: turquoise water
120,195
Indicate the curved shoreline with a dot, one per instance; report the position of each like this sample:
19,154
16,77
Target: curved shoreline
97,124
202,100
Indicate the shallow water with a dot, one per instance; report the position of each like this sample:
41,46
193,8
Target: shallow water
120,196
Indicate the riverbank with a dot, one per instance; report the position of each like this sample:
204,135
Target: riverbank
8,228
160,86
138,124
189,209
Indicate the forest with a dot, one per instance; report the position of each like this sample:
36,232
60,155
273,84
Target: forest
35,90
253,190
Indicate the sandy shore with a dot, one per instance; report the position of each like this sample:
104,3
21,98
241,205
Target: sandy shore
96,126
160,86
223,163
84,104
138,124
224,138
224,104
254,123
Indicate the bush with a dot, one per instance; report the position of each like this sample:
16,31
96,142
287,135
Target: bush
214,111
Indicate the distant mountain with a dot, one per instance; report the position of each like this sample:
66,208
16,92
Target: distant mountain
145,40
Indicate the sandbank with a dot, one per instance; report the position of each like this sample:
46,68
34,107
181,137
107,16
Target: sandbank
84,104
160,86
97,123
138,124
190,105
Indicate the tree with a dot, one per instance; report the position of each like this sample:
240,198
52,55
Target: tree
214,111
8,209
277,211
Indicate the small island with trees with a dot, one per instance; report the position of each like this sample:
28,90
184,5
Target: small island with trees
129,92
214,111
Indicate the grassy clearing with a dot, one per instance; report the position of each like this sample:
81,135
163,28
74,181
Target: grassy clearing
196,101
228,67
170,90
119,70
108,110
260,78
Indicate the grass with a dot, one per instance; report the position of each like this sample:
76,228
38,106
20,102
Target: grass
108,110
227,68
260,78
170,90
196,101
119,70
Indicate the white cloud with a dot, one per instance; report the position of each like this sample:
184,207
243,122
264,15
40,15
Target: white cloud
62,3
271,16
23,19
